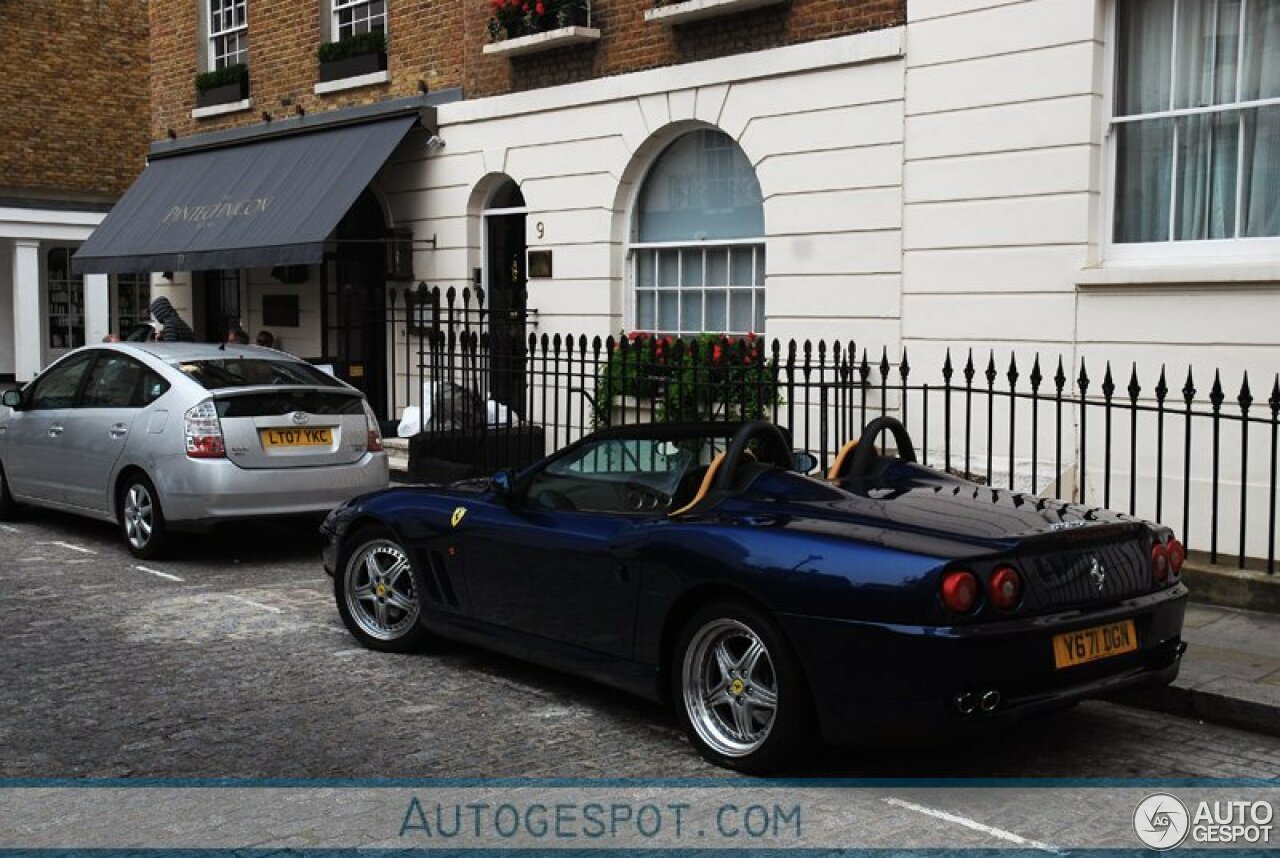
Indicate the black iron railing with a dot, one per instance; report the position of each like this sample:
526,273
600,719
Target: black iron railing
1206,464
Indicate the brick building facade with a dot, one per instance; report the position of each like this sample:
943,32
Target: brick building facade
73,136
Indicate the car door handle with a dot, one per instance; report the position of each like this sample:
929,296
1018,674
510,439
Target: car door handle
119,430
55,430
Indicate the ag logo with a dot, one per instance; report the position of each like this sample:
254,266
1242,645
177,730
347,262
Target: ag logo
457,516
1161,821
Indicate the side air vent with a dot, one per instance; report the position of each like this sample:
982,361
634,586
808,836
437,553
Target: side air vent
441,580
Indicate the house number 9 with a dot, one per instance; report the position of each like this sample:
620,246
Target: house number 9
541,228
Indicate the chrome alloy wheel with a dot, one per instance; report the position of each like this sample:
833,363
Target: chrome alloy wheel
730,687
139,515
381,596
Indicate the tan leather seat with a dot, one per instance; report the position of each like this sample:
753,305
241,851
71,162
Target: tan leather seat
707,479
842,460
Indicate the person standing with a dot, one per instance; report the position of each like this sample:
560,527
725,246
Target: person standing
175,330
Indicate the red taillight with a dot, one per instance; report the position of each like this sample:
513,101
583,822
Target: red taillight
1160,562
1005,588
203,432
373,437
1177,556
959,591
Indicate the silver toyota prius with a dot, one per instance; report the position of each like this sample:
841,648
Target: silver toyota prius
169,436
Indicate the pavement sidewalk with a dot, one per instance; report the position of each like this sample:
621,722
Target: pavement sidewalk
1230,674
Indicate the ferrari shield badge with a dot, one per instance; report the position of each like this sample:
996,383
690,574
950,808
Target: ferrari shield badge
458,513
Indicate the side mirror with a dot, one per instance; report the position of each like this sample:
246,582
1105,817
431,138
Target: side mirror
804,461
501,483
13,399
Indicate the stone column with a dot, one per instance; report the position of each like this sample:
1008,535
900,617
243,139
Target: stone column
28,357
97,308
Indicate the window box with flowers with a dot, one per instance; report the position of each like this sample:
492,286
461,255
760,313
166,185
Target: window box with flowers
530,26
685,11
708,377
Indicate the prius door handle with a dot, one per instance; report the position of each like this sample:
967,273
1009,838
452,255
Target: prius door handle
119,430
55,430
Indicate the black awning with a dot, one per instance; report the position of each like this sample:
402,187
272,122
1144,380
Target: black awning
253,205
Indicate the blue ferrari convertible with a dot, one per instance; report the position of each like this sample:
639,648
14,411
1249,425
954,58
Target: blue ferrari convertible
699,564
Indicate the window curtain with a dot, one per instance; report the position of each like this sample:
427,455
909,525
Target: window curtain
1145,148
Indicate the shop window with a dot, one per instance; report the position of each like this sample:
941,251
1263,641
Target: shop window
697,258
66,301
131,301
1196,121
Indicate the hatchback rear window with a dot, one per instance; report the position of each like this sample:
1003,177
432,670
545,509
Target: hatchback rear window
221,373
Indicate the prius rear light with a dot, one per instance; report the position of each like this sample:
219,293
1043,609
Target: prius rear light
203,432
373,435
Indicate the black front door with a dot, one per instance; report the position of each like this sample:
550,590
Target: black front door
507,302
355,319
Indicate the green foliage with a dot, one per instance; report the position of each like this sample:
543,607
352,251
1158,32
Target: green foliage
353,46
708,377
238,73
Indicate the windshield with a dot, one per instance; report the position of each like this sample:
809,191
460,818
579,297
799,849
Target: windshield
220,373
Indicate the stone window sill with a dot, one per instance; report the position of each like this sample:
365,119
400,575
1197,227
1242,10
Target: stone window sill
222,109
352,82
548,41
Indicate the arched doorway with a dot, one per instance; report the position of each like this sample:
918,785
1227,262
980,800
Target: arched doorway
354,316
506,293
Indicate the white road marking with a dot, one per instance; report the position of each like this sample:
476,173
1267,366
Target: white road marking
270,608
998,833
9,529
158,573
70,546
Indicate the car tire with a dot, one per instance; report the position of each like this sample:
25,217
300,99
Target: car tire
739,692
8,506
141,518
378,592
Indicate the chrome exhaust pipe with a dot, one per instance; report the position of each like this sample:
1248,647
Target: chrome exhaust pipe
966,703
990,701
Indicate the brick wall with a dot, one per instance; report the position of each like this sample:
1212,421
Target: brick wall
73,98
438,44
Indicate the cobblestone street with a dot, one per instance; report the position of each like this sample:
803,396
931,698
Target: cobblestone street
230,660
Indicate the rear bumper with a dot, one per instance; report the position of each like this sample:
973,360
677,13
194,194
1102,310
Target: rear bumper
899,684
211,490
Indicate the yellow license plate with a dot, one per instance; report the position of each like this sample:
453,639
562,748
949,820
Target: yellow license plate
1092,644
296,437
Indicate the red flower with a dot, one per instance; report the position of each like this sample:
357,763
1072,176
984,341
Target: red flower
541,10
525,7
717,354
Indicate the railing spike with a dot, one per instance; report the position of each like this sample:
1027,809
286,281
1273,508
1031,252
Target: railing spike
1162,387
1083,380
947,369
1245,397
1274,401
904,368
1134,388
1108,383
1216,395
991,369
1036,376
1012,374
1189,387
1060,377
968,367
884,362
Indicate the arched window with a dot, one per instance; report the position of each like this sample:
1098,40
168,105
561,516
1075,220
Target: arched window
697,250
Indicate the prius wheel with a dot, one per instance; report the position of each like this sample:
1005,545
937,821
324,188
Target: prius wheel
739,692
8,506
377,593
141,518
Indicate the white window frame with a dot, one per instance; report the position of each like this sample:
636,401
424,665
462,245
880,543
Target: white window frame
214,31
1235,250
337,6
759,266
